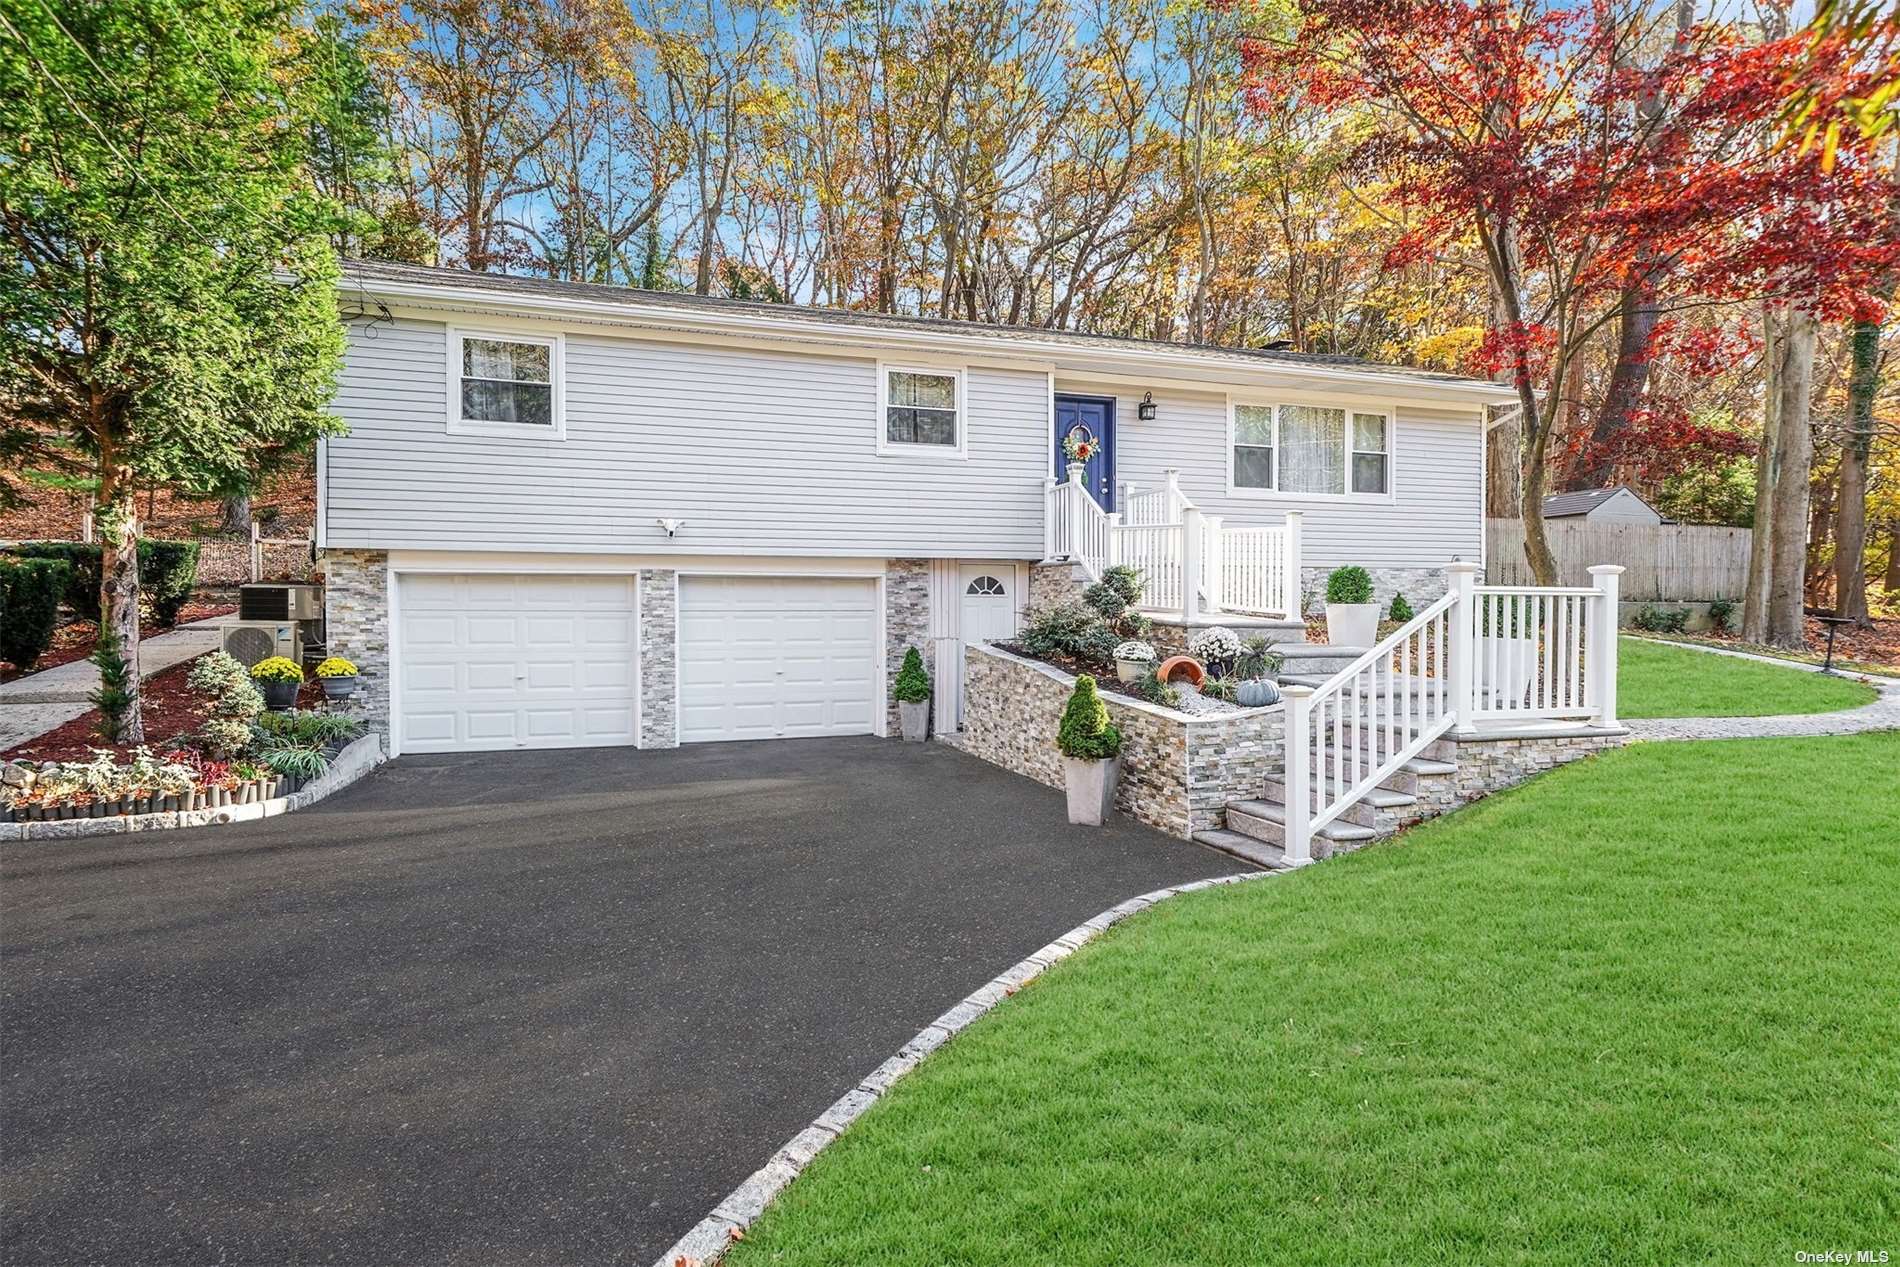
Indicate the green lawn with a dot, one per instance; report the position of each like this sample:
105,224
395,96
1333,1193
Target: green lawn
1641,1010
1654,679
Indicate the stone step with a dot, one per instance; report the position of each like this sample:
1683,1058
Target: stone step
1365,812
1246,848
1312,663
1264,820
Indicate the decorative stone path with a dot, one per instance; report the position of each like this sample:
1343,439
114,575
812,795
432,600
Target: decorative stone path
32,705
1882,714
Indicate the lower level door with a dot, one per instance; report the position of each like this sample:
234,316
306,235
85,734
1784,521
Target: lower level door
986,613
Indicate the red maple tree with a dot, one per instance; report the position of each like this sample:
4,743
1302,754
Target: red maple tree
1592,151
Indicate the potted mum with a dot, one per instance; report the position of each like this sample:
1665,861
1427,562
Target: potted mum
913,697
1091,754
1352,618
1133,660
278,677
338,677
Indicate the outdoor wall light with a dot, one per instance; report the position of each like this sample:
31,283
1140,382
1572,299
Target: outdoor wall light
1146,409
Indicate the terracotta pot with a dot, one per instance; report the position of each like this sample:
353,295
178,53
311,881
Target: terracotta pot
1181,665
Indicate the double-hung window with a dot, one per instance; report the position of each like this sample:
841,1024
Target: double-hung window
505,384
920,410
1310,451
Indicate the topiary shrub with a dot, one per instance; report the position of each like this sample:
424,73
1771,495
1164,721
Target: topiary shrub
235,703
1401,610
913,682
30,590
1086,733
1106,599
1352,584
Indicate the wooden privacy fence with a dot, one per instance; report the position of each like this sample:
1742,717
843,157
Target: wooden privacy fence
1682,563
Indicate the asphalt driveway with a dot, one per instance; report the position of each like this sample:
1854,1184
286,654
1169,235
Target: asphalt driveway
517,1009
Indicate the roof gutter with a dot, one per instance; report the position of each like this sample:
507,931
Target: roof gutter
1474,391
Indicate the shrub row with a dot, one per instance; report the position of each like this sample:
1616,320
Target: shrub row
167,572
30,591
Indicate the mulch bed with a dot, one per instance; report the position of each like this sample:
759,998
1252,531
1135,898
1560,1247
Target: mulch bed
75,639
1107,680
169,706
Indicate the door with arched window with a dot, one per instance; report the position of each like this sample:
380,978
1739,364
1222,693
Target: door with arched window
986,612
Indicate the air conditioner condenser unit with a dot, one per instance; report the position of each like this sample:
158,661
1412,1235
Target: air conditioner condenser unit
248,641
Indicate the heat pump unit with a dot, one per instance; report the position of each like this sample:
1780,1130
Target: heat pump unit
248,641
282,601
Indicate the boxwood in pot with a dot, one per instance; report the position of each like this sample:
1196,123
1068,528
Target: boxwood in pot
912,690
1091,754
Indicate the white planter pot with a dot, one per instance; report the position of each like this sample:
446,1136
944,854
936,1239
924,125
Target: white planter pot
1133,670
914,719
1091,786
1516,665
1352,624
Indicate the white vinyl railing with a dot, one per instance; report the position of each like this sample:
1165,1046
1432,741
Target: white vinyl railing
1482,658
1190,562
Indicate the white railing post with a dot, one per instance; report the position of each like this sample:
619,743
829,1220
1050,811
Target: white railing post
1114,556
1048,516
1127,496
1600,676
1076,470
1214,564
1461,579
1190,564
1299,792
1172,499
85,528
1295,590
257,557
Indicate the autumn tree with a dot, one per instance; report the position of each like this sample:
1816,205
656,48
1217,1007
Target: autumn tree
165,272
1519,124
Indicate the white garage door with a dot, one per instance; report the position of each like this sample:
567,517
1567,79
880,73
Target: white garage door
776,657
490,662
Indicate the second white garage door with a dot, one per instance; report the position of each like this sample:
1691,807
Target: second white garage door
777,657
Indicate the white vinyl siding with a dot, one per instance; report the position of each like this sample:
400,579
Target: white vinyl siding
776,657
490,661
1433,513
761,452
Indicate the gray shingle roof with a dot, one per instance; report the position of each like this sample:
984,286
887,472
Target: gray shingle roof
1582,502
364,274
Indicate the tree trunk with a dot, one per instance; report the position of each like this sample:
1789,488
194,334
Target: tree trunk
1767,467
1636,323
1850,522
236,517
116,515
1536,539
1504,469
1786,625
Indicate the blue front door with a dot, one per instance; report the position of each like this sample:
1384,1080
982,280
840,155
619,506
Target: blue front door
1089,420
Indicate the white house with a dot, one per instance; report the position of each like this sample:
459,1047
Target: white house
573,515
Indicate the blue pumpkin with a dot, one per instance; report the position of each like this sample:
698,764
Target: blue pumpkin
1256,693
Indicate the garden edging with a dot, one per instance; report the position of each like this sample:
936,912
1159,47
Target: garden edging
357,758
709,1239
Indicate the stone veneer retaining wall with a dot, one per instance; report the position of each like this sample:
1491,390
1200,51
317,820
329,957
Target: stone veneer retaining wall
1054,584
1178,771
659,658
356,602
906,625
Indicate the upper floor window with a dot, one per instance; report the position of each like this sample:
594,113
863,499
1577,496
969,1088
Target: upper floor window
505,384
920,410
1310,451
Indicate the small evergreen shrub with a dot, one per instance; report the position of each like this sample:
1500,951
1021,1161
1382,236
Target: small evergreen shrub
1351,584
913,682
235,703
113,697
30,590
1401,610
1151,688
1722,615
1651,619
1069,630
1106,599
1086,733
1125,580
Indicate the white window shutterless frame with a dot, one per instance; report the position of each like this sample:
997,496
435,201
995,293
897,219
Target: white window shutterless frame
506,383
